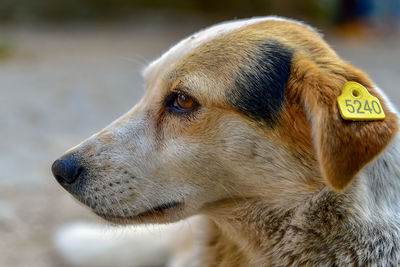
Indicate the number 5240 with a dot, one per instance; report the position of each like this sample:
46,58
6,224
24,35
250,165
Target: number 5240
356,106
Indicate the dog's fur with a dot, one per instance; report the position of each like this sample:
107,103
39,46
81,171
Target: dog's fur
277,175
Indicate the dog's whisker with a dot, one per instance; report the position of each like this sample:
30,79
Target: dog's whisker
142,61
150,181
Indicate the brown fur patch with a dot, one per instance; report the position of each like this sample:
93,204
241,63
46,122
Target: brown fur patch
342,147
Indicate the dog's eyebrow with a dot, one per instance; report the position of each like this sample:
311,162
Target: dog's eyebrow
259,88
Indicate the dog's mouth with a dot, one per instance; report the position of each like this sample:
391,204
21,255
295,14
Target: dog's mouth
156,212
160,209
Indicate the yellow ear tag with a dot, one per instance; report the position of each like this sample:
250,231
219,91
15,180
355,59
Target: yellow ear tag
356,104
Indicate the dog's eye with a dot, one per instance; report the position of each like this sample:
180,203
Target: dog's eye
183,102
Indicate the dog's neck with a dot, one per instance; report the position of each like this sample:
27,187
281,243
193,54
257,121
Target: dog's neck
377,187
353,225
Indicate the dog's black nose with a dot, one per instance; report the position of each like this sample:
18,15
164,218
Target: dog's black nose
66,170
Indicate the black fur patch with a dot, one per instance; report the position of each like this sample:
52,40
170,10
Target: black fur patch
259,87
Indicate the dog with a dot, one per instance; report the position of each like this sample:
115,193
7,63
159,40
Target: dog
240,125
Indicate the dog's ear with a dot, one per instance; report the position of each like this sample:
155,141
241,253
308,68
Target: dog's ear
342,147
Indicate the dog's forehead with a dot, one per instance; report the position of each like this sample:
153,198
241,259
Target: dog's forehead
156,68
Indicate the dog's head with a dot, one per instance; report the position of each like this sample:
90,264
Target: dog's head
241,110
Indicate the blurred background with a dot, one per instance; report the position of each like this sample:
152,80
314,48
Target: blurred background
70,67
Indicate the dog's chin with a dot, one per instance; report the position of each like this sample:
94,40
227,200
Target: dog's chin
165,213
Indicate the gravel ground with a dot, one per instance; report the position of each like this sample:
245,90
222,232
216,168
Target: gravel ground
62,84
